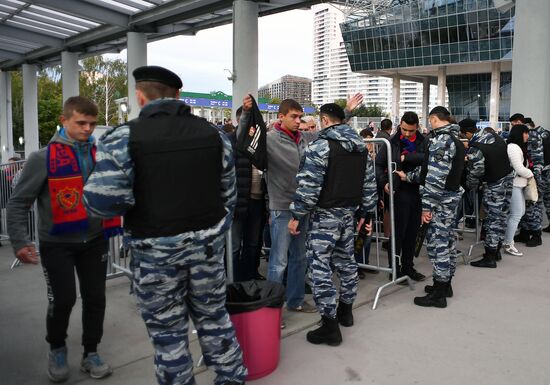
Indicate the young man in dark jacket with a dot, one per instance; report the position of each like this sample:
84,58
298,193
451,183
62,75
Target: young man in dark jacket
408,147
69,239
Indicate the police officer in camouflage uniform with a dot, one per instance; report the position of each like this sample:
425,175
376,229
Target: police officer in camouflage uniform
336,179
488,164
531,223
545,134
440,177
171,174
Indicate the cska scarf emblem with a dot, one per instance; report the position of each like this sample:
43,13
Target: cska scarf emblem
66,185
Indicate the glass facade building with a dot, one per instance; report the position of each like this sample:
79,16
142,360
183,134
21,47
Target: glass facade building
434,33
420,33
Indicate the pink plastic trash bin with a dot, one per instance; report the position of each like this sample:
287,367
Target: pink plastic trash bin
255,310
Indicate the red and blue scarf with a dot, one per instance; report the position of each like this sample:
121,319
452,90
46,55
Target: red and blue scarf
66,186
408,145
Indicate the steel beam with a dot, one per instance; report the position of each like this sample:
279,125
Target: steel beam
87,11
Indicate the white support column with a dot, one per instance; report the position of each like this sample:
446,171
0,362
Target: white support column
425,102
137,57
69,74
245,51
10,119
6,132
30,108
530,70
395,98
494,100
441,85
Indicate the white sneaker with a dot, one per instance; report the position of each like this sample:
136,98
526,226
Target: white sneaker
510,249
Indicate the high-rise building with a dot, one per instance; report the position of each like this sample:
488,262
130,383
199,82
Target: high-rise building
288,87
332,75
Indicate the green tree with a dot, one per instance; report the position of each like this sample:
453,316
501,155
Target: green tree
49,105
341,102
275,101
103,81
17,108
372,110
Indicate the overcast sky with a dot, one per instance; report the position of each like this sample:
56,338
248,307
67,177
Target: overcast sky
285,47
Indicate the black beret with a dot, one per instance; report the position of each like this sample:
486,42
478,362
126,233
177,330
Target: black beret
517,116
467,125
334,110
440,110
157,74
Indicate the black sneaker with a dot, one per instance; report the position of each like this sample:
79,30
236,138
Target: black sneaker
414,275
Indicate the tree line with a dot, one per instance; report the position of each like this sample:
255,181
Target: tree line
100,79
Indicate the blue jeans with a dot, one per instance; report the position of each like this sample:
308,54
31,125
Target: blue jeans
517,209
291,250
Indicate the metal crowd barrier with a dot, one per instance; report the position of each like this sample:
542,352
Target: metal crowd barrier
384,145
474,216
119,259
476,230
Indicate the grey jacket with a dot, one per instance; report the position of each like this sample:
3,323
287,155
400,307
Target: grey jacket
284,159
33,186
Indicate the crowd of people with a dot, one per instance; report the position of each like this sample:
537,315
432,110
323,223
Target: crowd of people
180,183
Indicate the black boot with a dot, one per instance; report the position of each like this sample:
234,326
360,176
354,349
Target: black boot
344,314
536,239
328,333
448,294
437,298
546,229
488,260
498,255
523,236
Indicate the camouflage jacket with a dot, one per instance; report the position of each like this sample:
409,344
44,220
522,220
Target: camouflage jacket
475,160
536,150
442,151
109,190
311,176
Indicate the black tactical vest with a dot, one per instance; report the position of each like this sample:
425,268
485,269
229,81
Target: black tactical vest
177,163
343,183
497,163
452,183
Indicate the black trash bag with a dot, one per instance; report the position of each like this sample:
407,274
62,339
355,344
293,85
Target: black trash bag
253,295
252,140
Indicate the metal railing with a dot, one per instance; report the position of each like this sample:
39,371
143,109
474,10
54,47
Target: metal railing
381,144
119,258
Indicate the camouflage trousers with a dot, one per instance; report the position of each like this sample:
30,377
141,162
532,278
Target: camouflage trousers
546,191
496,200
532,219
175,281
330,246
441,238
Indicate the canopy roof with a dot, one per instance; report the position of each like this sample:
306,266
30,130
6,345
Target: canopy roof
37,31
